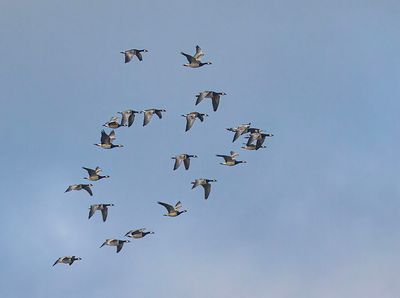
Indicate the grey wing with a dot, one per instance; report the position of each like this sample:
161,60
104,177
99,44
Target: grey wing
260,142
131,119
196,183
69,188
253,136
186,163
238,133
119,247
87,188
92,210
139,55
200,97
225,157
200,116
177,163
98,170
207,189
147,118
189,121
167,206
178,205
112,135
158,113
128,56
215,102
105,139
124,118
104,213
190,58
91,172
234,154
56,262
199,53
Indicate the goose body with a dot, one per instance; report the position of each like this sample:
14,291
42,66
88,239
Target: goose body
136,234
148,114
215,97
129,54
113,123
80,187
128,116
106,140
230,160
115,242
173,211
94,175
205,183
183,157
194,61
191,117
102,207
251,147
66,260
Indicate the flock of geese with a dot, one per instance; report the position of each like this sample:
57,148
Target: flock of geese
255,140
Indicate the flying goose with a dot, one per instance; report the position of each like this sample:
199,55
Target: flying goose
183,157
128,116
105,141
102,207
251,147
215,97
149,113
115,242
94,175
191,117
173,211
129,54
80,187
66,260
230,160
259,137
113,123
136,234
194,61
241,129
206,185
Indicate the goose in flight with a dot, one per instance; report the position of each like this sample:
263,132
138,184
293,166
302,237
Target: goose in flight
115,242
136,234
259,137
67,260
148,114
215,97
206,185
173,211
251,147
191,117
194,61
80,187
129,54
102,207
240,130
106,140
113,123
230,160
183,157
94,175
128,116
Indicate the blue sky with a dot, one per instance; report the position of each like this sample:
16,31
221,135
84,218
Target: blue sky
313,215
